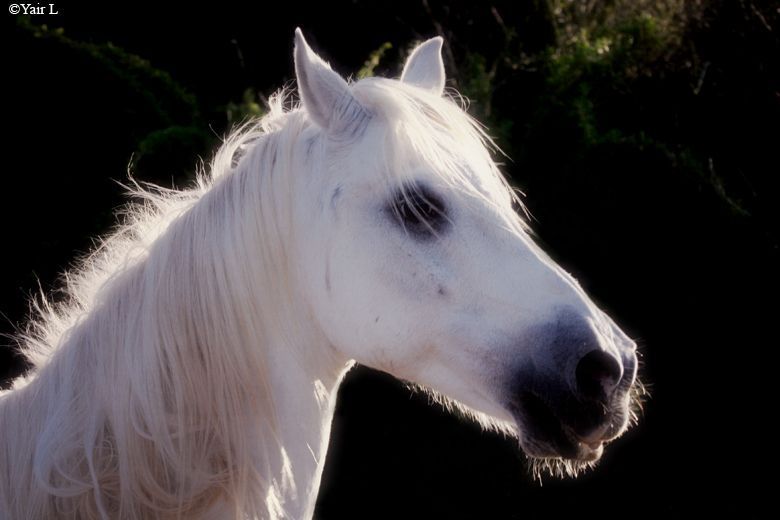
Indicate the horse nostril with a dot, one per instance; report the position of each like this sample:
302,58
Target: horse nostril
598,373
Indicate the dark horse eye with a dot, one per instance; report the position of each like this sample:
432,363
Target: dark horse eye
419,211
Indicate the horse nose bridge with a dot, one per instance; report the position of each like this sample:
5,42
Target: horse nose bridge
623,344
537,283
525,276
563,292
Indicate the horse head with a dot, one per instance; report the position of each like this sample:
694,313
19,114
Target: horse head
416,262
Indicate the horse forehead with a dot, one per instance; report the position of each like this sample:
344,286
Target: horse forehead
377,158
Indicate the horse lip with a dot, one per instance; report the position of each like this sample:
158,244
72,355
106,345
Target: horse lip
597,437
544,435
593,452
594,445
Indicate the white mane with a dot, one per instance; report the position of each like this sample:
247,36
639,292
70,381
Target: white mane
167,320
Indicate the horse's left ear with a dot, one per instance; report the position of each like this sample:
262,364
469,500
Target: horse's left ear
325,94
425,68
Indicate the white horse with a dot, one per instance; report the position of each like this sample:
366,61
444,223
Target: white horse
193,371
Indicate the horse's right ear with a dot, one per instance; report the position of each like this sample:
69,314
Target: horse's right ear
323,92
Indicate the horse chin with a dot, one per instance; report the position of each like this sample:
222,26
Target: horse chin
551,446
558,467
572,451
559,459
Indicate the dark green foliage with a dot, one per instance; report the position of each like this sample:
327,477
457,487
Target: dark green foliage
638,77
83,115
373,60
171,151
247,108
152,113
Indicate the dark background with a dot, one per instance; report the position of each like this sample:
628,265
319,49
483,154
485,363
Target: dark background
644,134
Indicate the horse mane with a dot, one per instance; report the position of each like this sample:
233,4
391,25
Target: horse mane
143,220
168,316
122,328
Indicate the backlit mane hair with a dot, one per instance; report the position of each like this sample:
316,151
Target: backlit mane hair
167,317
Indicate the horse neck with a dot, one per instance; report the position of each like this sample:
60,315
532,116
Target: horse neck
301,369
272,328
305,370
305,400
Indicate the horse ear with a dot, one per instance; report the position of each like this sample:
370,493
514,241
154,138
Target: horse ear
320,88
425,68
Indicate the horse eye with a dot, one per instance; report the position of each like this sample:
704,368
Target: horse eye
419,211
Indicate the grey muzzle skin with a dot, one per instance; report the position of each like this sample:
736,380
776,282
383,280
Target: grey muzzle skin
572,394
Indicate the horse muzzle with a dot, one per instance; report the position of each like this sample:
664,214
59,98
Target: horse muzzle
567,429
574,394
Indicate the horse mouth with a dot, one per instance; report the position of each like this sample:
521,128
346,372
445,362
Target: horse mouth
543,435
